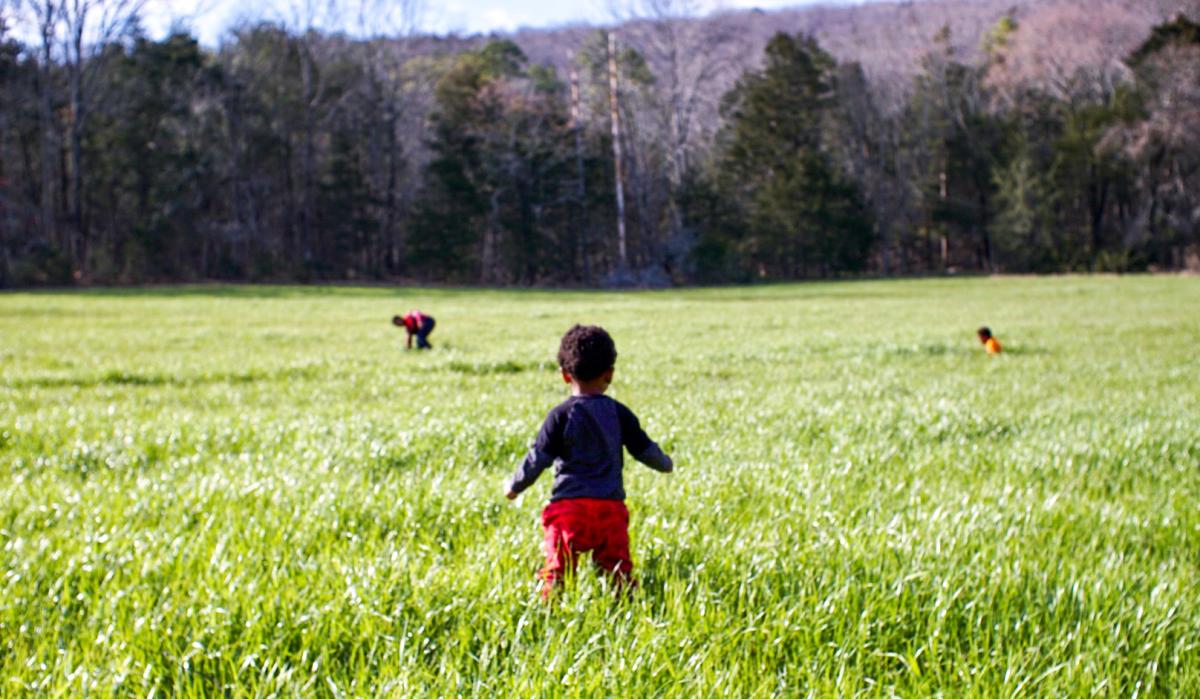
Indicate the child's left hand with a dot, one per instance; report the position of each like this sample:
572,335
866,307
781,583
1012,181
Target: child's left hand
510,495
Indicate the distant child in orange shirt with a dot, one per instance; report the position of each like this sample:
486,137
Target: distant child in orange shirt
990,343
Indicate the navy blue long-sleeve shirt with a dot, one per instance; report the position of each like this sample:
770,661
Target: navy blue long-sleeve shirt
583,438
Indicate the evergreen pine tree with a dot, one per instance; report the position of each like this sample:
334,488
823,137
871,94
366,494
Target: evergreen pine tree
803,216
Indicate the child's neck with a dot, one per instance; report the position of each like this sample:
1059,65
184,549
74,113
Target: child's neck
589,388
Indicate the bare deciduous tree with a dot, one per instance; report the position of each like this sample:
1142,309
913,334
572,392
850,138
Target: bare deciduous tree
1163,144
72,34
46,16
693,60
89,27
618,162
390,99
1071,51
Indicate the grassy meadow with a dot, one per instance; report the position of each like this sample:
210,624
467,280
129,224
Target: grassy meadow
255,492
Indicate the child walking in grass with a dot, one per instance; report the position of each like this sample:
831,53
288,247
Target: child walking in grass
583,438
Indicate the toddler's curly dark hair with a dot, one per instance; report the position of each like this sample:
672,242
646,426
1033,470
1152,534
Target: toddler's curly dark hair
586,352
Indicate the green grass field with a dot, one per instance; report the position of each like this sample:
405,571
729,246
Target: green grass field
254,491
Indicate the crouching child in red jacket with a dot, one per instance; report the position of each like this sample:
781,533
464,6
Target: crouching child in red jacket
583,439
416,323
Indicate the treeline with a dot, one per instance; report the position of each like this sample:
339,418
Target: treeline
293,154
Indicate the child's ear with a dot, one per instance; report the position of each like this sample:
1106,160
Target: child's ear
566,376
609,374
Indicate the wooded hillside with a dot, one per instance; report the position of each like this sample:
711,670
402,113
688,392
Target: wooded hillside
885,138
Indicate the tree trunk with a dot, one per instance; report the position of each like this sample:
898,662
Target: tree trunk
580,176
945,242
306,160
48,131
615,117
388,225
78,117
1099,206
488,258
243,219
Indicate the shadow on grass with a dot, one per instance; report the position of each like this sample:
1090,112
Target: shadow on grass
116,377
1026,351
924,350
507,366
956,349
291,291
243,291
230,291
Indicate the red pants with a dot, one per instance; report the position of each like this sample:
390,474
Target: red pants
576,525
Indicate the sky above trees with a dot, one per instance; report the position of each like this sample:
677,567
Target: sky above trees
210,18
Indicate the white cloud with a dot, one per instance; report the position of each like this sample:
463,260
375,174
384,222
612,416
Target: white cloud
497,20
445,17
209,19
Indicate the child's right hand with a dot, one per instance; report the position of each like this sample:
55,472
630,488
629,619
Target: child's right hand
510,495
